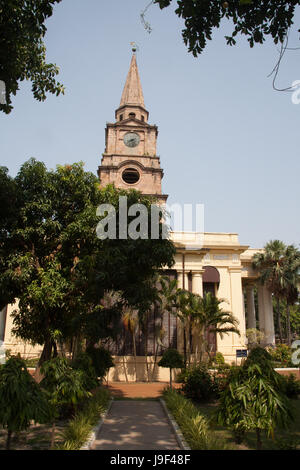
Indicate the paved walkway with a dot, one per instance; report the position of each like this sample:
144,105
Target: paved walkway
136,425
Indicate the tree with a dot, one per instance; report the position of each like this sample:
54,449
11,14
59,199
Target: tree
131,323
208,315
21,399
254,399
200,315
173,360
22,50
63,385
278,267
60,270
255,19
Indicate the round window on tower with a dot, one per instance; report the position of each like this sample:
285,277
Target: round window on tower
130,176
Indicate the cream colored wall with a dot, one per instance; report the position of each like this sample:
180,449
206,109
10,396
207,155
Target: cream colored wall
127,370
15,345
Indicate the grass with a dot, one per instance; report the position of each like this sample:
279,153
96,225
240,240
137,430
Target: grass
194,425
78,430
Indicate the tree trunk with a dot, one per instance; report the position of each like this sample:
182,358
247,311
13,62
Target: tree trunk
146,349
288,325
170,378
258,439
134,352
52,436
184,346
46,353
125,371
8,440
279,320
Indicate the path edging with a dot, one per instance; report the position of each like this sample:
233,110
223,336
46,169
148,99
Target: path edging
88,444
177,431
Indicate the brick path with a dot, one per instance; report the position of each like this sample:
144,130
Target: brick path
136,425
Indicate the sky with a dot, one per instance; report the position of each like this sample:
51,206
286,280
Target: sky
226,140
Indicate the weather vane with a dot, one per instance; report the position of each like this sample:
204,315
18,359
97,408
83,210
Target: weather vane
134,46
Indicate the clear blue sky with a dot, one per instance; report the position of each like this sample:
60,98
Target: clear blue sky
226,138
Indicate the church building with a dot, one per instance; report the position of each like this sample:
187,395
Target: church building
221,265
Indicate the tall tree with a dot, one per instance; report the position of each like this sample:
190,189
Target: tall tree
58,267
22,49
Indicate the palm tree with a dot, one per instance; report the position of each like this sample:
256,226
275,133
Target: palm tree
131,322
208,315
292,280
270,265
184,309
278,266
166,295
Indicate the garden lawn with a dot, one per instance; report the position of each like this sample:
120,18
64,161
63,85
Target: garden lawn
283,439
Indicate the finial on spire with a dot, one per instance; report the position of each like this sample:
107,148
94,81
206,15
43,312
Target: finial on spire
134,47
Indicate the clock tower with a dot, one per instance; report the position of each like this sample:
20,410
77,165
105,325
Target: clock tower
129,160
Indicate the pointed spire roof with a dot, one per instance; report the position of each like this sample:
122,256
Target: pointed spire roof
133,93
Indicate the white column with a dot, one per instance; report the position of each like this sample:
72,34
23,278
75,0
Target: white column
250,306
237,305
179,278
197,284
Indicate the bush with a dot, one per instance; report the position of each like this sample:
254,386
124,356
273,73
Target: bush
281,355
101,359
254,399
79,428
63,384
84,363
198,383
290,386
218,360
21,398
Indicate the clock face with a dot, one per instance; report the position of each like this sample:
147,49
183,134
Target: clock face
131,139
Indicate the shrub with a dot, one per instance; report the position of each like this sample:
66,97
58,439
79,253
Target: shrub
198,383
64,386
21,398
79,428
218,360
253,399
290,386
101,359
282,355
84,363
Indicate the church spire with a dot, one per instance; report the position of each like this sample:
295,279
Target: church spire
133,93
132,104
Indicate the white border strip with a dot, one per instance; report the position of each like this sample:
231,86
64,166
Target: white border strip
88,444
179,436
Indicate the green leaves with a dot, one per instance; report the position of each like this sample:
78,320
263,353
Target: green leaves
22,50
53,262
21,399
256,19
254,398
